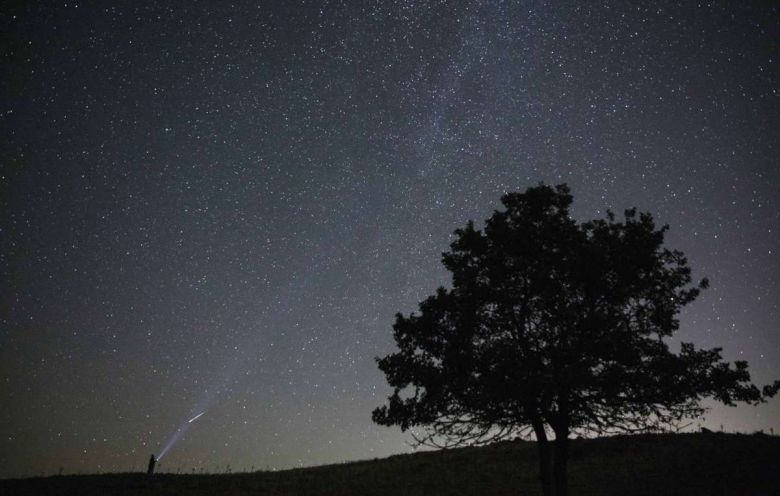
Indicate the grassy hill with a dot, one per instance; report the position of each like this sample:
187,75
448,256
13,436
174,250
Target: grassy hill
684,464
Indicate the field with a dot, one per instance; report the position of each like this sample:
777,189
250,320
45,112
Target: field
669,464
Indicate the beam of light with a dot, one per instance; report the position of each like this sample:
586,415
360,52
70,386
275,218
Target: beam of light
193,419
183,428
219,386
220,383
179,432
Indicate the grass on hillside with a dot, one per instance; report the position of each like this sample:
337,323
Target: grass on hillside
668,464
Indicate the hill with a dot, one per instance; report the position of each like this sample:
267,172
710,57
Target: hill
669,464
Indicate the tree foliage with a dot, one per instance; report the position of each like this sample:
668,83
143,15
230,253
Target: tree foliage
554,325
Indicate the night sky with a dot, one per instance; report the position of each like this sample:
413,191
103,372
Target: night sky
219,208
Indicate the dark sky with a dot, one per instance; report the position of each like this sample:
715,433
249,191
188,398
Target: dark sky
219,208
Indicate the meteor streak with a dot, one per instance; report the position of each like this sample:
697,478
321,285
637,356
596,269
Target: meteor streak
193,419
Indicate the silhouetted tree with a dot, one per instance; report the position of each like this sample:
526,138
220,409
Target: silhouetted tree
554,327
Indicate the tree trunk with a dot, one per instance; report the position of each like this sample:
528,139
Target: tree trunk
561,460
545,465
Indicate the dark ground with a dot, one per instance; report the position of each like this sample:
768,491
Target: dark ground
682,464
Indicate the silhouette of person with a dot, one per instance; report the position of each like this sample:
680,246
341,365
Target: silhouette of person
152,463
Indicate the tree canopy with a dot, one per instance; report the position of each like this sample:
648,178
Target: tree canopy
554,326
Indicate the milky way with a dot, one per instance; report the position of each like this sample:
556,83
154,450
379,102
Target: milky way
220,208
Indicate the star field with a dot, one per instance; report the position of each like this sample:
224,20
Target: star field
214,207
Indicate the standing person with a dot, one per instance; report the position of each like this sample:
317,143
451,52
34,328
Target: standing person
152,463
